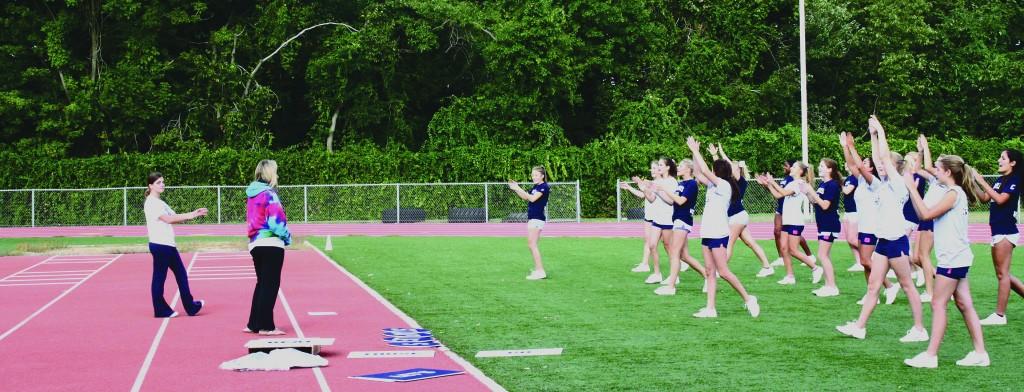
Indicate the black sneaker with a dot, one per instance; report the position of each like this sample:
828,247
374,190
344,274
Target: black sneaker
198,305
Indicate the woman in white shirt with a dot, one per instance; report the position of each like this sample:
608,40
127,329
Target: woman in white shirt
645,261
793,219
660,212
947,205
893,249
159,217
714,229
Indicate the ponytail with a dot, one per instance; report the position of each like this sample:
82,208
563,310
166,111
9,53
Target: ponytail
971,187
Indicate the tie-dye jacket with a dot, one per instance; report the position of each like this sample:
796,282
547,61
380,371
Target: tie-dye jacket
265,214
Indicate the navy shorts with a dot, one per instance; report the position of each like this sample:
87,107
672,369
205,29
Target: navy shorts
867,239
793,229
926,226
713,243
827,236
663,227
952,273
893,248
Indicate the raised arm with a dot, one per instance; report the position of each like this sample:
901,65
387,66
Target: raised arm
926,156
990,194
514,186
812,195
178,218
630,189
733,164
853,159
923,211
884,155
645,187
701,171
769,183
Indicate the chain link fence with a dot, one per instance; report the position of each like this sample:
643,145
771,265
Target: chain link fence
386,203
757,200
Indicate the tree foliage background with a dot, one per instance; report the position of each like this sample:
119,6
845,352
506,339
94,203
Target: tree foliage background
91,77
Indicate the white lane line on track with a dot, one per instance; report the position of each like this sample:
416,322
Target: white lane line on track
156,340
298,333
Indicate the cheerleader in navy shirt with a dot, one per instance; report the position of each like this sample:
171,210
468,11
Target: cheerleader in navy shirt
536,214
826,216
912,166
714,230
683,198
851,219
1003,198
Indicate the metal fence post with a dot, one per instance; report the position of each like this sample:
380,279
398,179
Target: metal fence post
33,208
125,199
487,211
398,203
578,201
218,204
618,202
305,203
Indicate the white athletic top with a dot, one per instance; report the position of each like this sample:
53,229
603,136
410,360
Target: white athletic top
892,194
647,209
160,232
714,223
792,211
952,248
867,206
661,211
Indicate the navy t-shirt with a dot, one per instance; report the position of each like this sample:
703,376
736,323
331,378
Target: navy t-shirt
828,219
785,181
849,203
535,210
908,208
684,212
736,207
1002,218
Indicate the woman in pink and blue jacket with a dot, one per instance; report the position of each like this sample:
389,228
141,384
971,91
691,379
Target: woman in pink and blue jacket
268,236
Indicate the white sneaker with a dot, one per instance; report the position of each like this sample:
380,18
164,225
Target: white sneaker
777,262
994,319
850,329
766,272
926,298
891,293
653,279
706,313
891,274
536,275
974,359
915,335
856,267
666,282
861,301
919,278
787,280
642,267
923,360
752,306
814,260
826,291
665,290
816,274
683,267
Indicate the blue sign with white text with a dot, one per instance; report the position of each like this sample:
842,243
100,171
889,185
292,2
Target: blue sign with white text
414,374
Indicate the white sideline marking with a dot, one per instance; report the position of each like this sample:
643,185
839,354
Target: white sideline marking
54,271
298,332
75,262
156,340
28,268
476,373
32,284
41,279
519,353
323,313
53,301
392,354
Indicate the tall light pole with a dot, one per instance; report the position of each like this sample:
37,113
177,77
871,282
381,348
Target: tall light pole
803,83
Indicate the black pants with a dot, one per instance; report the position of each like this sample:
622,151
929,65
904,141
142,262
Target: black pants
268,261
167,257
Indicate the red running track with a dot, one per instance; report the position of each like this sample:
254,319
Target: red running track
976,232
95,331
